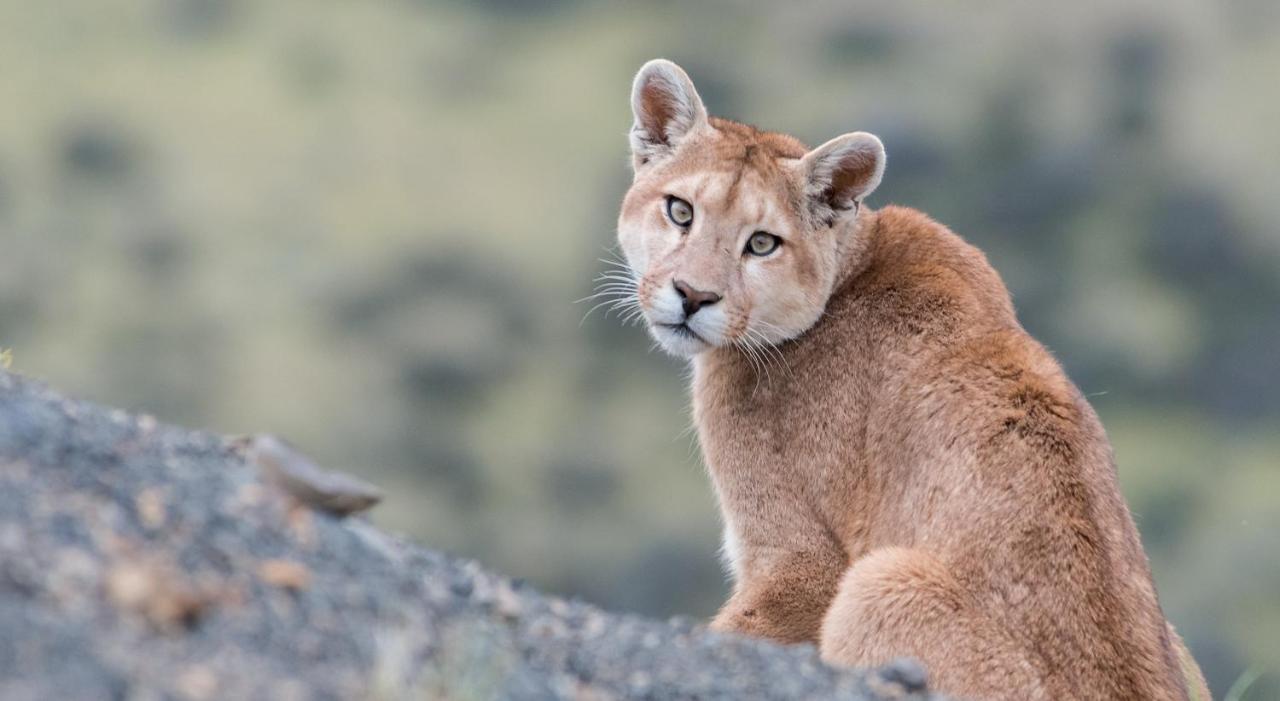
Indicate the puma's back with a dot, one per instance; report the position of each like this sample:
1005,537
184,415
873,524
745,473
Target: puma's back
901,469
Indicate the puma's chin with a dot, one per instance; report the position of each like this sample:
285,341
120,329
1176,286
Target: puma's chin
683,340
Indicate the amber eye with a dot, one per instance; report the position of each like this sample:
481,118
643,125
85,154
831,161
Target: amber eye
762,244
679,212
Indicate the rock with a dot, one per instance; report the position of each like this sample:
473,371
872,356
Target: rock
285,574
900,678
139,560
160,593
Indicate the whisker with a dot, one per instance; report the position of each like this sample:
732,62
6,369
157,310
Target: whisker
747,346
764,369
615,286
616,290
619,276
634,315
617,264
779,357
772,349
601,293
597,306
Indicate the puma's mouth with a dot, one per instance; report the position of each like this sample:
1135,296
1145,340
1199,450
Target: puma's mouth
679,339
682,330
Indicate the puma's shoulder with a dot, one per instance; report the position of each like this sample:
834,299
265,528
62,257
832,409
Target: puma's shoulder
923,284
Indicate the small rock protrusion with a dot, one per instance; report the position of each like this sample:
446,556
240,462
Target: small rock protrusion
462,588
333,492
506,603
901,677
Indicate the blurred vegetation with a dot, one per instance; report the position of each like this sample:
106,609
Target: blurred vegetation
362,226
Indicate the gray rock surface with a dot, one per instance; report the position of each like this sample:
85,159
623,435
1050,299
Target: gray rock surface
143,561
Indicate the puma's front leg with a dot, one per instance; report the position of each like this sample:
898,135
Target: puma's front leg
783,598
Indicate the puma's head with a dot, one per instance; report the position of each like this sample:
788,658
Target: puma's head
733,236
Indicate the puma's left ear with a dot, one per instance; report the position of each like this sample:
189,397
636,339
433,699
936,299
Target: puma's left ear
839,173
666,107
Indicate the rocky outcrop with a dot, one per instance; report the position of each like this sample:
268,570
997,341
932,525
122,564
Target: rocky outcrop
143,561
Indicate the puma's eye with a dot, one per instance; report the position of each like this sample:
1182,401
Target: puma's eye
679,212
762,244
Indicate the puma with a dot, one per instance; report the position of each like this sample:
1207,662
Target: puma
901,469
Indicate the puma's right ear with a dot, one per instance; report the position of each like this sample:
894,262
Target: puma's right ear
666,107
839,173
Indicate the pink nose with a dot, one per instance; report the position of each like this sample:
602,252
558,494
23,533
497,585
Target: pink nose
693,299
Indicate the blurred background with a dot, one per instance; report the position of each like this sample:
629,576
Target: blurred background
363,226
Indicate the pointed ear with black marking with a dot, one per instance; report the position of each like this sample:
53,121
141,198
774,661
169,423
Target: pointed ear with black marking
839,173
666,108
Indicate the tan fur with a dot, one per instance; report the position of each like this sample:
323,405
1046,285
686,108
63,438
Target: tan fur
902,470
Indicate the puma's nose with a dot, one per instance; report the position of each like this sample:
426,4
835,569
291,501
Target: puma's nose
692,300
